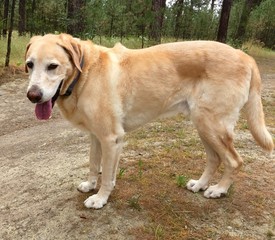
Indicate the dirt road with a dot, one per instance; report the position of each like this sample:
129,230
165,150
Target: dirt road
42,163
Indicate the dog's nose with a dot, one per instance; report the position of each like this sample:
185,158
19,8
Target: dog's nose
34,94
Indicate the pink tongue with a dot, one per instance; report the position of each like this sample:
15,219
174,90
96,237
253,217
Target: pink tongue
43,111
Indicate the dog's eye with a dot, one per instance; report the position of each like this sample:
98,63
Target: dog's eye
52,66
30,65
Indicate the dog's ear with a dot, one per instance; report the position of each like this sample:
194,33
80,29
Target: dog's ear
27,48
73,47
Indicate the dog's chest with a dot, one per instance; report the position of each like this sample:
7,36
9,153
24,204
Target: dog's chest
73,114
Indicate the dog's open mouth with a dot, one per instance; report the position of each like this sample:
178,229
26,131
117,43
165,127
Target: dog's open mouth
43,111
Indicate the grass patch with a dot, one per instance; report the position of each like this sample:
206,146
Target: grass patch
163,154
19,43
256,49
18,47
121,172
159,232
181,180
129,42
157,180
140,166
269,107
133,202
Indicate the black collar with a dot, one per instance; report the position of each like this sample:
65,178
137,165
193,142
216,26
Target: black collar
70,88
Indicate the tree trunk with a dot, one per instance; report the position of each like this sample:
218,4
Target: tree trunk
179,11
111,26
142,35
75,16
70,17
7,62
5,18
212,5
224,19
31,26
158,8
22,17
247,8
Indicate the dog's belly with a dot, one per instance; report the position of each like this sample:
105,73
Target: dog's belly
179,107
133,120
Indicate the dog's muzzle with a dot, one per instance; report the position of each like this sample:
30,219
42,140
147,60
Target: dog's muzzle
34,94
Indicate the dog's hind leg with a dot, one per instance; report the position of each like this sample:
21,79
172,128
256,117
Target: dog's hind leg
232,163
95,166
217,136
213,162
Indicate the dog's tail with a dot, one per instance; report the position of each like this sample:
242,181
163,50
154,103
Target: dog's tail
254,112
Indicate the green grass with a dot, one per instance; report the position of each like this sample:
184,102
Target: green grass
181,180
130,42
159,231
121,172
257,50
18,47
133,202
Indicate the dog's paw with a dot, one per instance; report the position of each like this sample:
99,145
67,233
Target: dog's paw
95,202
215,192
86,186
195,186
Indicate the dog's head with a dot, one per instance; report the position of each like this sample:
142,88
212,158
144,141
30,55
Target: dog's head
51,59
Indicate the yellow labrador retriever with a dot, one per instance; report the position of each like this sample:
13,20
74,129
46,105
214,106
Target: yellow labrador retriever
111,91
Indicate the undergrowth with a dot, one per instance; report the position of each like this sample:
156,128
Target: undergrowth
19,43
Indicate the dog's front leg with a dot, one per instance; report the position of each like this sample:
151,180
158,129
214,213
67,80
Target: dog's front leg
111,149
95,166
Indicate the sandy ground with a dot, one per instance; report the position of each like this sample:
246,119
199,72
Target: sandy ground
42,163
